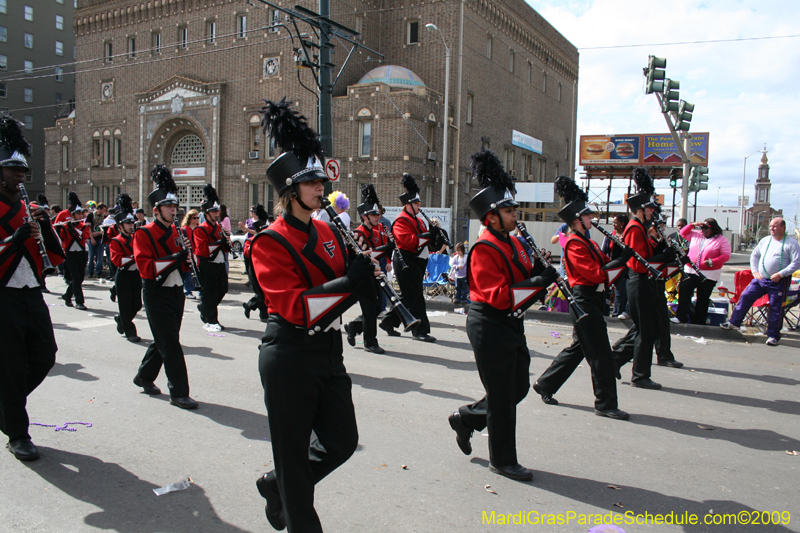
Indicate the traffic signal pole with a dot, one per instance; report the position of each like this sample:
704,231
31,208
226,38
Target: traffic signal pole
687,168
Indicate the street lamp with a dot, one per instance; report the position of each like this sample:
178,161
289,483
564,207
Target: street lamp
741,202
432,26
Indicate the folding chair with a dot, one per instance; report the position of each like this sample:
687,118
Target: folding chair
791,306
435,282
758,315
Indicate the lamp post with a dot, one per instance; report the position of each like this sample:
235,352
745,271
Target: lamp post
744,172
446,121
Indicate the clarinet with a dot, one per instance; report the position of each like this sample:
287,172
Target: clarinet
395,250
683,257
409,322
560,282
47,267
192,266
444,237
652,271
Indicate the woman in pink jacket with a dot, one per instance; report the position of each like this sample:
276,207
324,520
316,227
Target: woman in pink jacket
709,250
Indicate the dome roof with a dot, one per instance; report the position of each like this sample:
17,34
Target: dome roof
393,76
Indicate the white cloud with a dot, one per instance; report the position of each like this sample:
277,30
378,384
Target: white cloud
745,92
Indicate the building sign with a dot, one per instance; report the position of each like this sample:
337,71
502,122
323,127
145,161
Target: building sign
661,150
534,192
198,172
648,150
526,141
610,150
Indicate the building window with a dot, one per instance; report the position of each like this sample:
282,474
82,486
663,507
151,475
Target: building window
241,26
188,151
28,95
131,47
28,68
559,91
270,199
489,42
470,107
3,62
60,2
3,34
28,122
59,74
255,134
59,48
155,42
412,32
108,52
59,22
544,82
29,13
28,40
3,6
59,98
106,152
183,36
211,32
3,90
96,152
359,27
275,19
271,152
64,156
364,138
254,194
762,195
118,152
530,72
511,58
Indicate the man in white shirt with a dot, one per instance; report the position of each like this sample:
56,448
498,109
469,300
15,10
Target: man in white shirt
772,263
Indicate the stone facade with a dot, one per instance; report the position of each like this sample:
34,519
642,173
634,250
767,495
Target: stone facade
181,82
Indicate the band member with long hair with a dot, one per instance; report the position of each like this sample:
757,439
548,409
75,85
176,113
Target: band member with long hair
301,266
190,221
259,221
210,243
503,282
126,278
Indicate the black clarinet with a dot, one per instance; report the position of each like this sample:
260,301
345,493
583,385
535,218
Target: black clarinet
192,266
683,257
395,249
409,322
444,237
560,282
652,271
47,267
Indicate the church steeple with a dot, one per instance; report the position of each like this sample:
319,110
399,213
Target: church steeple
763,184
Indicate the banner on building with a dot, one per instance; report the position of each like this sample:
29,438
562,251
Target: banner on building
526,141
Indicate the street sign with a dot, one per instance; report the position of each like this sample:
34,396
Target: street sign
746,200
333,169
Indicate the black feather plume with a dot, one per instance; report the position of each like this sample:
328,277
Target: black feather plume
11,136
368,194
41,200
290,130
74,201
489,171
162,176
644,183
410,184
210,193
260,212
567,189
124,203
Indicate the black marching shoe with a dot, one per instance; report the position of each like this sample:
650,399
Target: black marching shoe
672,363
424,338
390,330
184,403
23,449
268,488
81,307
516,472
546,396
246,310
463,433
120,329
135,338
351,338
374,349
646,384
617,414
67,301
148,386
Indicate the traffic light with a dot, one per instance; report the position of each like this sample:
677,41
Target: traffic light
669,102
684,116
701,173
674,176
655,74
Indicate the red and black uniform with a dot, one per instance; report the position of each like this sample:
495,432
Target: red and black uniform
209,246
589,271
74,235
161,261
258,301
413,240
128,283
663,343
29,346
502,285
301,271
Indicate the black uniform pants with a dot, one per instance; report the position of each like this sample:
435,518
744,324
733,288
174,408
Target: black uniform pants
590,341
28,354
663,342
686,288
367,322
503,360
214,278
306,388
164,308
413,294
129,298
257,301
638,343
74,274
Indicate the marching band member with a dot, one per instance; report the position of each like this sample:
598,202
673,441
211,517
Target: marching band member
210,243
503,282
371,237
589,271
160,258
29,345
74,234
127,281
663,343
259,221
301,266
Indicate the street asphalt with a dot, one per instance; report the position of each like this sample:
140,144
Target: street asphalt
718,440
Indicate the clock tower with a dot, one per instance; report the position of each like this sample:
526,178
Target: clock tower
761,213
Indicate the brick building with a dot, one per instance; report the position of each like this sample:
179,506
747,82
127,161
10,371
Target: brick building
181,82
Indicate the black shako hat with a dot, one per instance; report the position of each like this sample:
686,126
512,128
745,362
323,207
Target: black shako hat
13,146
302,158
212,200
369,201
412,190
124,209
574,197
165,187
644,190
497,188
74,202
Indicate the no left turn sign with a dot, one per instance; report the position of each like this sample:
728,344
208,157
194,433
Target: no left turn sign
333,169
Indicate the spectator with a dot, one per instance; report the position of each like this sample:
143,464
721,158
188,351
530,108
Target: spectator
459,265
225,222
188,224
709,250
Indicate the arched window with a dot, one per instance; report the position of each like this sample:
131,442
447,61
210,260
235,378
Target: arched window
189,151
65,153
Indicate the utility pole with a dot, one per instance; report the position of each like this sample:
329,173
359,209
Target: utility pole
325,116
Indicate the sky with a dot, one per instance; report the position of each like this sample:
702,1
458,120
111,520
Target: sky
746,93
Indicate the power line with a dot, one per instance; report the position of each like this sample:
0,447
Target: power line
691,42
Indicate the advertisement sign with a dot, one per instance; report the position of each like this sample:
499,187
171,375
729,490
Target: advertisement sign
660,149
609,149
197,172
526,141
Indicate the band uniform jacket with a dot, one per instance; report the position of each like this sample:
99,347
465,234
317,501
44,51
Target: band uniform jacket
208,242
156,249
410,233
121,251
373,239
637,238
585,261
72,233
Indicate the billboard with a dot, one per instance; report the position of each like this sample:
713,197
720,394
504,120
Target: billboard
650,149
526,141
661,150
610,149
534,192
